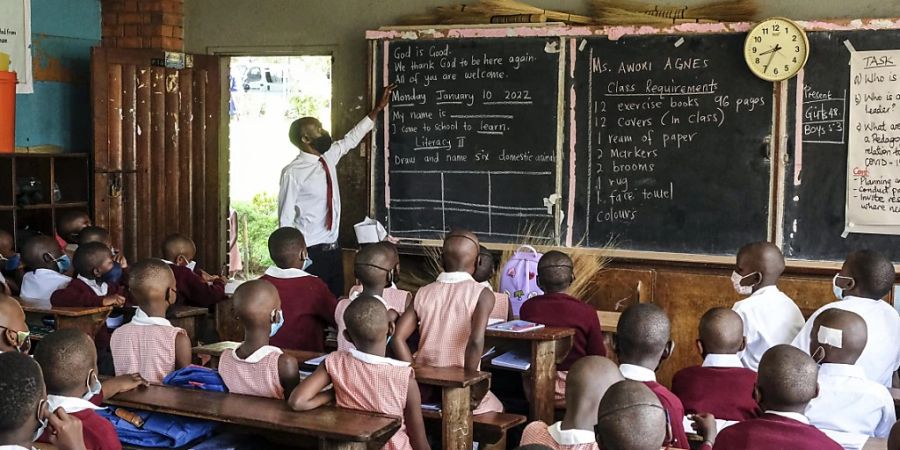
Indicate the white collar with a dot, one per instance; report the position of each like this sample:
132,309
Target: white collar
191,265
859,299
355,294
842,370
278,272
790,415
374,359
100,288
765,290
722,360
637,373
308,157
258,355
570,437
70,405
454,277
487,284
15,447
141,318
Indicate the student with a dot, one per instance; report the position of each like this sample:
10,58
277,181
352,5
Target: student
195,287
23,408
15,337
894,438
787,382
374,269
10,264
589,379
68,226
47,267
484,272
642,343
630,417
68,361
865,278
92,262
770,317
306,302
451,314
149,345
555,308
848,402
722,386
257,368
120,263
364,379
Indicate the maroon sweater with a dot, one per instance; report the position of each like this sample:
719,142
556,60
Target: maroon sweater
675,411
308,307
725,392
773,432
79,294
99,433
563,310
194,291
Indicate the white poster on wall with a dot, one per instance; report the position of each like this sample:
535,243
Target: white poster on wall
873,156
15,41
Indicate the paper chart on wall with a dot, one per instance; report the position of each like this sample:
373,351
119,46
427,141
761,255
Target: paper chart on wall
15,41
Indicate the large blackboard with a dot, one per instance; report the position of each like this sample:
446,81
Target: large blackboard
671,144
816,173
472,137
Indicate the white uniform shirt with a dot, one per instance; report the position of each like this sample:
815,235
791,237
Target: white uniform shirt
38,286
770,318
851,403
881,357
302,197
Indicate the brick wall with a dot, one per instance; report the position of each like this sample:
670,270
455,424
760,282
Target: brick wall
156,24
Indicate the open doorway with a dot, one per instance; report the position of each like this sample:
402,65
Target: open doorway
267,94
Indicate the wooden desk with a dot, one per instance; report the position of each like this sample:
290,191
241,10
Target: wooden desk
336,428
456,397
214,352
609,321
227,325
87,319
187,317
549,346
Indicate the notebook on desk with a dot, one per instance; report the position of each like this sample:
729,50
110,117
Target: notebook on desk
516,326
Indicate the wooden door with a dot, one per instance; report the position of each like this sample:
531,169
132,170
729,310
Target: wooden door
156,152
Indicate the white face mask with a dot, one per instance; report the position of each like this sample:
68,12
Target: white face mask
42,422
191,265
839,291
736,280
94,386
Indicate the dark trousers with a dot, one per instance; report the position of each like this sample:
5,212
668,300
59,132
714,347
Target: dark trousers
329,266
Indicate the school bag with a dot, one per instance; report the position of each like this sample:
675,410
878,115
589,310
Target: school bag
157,430
518,279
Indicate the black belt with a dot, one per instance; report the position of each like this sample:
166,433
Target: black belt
325,247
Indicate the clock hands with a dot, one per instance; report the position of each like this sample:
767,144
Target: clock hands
774,51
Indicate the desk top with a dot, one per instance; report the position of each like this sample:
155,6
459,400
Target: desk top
181,312
541,334
68,311
609,321
261,413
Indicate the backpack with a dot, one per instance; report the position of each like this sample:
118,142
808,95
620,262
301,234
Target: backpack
518,279
196,377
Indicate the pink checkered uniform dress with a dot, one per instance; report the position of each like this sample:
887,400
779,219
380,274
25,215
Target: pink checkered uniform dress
364,386
445,322
145,349
536,433
259,378
392,299
501,307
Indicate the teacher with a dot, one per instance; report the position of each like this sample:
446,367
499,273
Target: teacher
309,198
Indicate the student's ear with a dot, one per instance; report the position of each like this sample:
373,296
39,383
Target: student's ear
699,345
537,280
391,328
348,338
743,343
817,390
670,348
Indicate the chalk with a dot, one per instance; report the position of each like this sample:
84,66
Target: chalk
679,42
552,47
550,202
849,45
582,45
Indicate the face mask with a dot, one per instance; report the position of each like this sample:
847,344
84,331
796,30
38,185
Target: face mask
42,421
23,343
192,265
12,263
276,325
819,351
307,262
839,291
736,280
322,143
62,263
114,274
94,387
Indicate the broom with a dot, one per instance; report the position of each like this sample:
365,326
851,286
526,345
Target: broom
492,11
628,12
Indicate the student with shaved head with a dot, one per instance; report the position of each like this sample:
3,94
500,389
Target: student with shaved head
769,316
848,402
589,379
68,228
556,308
195,287
722,386
255,367
14,332
630,417
643,341
307,303
48,269
865,278
365,379
92,261
787,383
451,315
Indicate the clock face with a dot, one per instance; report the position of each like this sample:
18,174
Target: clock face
776,49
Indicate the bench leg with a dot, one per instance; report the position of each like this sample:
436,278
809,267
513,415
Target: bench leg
329,444
543,377
456,419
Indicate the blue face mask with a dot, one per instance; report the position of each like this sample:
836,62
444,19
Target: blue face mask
114,274
277,325
12,263
307,262
62,263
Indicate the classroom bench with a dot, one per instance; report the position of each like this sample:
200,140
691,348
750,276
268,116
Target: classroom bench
488,429
86,319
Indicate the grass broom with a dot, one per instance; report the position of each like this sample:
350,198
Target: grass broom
628,12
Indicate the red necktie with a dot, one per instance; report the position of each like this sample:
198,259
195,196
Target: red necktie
329,193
